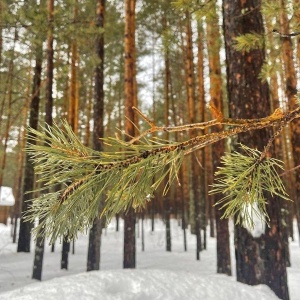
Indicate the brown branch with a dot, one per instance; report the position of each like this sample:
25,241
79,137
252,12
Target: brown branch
286,34
290,170
276,119
277,115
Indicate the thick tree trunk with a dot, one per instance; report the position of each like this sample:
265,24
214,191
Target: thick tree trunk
93,262
259,260
129,259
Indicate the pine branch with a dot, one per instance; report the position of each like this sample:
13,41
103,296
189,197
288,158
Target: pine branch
128,178
292,34
249,41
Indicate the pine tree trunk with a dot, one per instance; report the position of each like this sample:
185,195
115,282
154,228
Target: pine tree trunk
28,178
9,90
93,262
21,156
261,259
279,145
291,91
166,198
1,33
191,99
65,254
201,112
216,100
40,242
129,260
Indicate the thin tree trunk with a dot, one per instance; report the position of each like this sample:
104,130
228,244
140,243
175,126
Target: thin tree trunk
93,262
28,177
72,119
40,242
8,120
201,112
129,259
216,100
1,34
166,198
18,182
191,99
291,91
275,104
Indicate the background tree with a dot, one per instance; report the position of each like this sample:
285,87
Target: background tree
216,100
24,239
129,260
93,262
40,241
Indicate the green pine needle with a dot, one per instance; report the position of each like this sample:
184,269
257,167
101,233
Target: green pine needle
89,180
243,180
249,41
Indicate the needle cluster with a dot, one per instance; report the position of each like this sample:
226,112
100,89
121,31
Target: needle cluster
244,179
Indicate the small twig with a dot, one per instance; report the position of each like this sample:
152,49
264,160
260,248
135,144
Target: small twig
277,114
151,123
290,170
286,34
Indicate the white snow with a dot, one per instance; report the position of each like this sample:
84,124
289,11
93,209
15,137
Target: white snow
259,225
159,274
6,196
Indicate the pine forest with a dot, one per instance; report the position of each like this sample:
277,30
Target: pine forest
136,117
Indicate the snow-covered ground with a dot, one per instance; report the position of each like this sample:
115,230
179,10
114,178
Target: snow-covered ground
159,274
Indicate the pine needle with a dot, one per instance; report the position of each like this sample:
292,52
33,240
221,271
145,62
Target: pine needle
244,181
88,178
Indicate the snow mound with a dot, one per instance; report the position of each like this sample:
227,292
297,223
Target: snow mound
140,285
6,196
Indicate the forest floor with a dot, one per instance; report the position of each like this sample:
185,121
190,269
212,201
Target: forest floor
159,274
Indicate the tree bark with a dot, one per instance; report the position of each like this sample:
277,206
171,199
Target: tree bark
259,260
28,178
291,91
40,242
93,262
216,100
129,259
191,100
166,199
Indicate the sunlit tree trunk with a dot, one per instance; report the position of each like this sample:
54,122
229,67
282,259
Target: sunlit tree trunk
191,99
72,120
216,100
1,28
279,142
9,89
201,117
291,91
